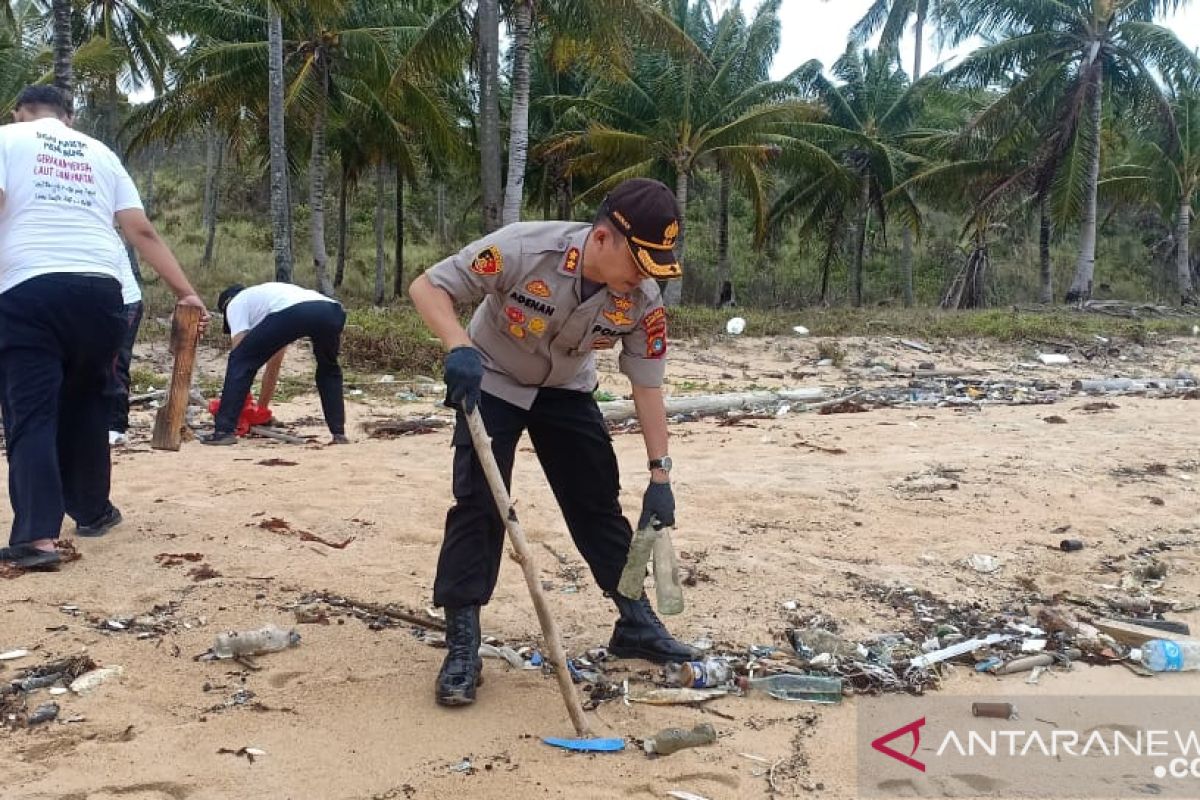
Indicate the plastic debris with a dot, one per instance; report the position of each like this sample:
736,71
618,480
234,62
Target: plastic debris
680,794
587,745
90,681
672,740
800,330
984,564
994,710
46,712
673,697
1054,359
735,326
13,655
962,648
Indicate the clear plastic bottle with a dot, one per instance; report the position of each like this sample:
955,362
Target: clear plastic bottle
707,674
672,740
809,688
633,577
668,587
1164,655
270,639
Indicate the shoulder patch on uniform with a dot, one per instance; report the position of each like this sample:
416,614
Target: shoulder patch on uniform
538,289
537,326
515,315
516,331
571,264
656,320
656,345
488,262
603,343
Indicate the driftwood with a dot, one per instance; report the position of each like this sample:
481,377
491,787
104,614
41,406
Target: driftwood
710,404
271,433
154,394
169,422
1134,635
388,428
1107,385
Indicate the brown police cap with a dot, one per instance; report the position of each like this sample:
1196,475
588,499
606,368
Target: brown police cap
644,211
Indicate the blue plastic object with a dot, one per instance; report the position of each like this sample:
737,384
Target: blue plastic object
587,745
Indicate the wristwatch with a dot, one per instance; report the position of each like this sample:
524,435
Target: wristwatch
663,463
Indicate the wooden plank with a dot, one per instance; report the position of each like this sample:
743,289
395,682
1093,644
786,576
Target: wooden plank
168,423
1134,635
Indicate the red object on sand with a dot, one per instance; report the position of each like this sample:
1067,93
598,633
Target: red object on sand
251,414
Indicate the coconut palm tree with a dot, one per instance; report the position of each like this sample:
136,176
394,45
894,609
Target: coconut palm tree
1087,49
669,115
848,167
1164,173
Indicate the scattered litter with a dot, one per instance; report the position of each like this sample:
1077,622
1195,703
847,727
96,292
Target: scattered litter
984,564
90,681
268,639
13,655
924,348
587,745
800,330
672,740
955,650
673,697
680,794
46,712
735,326
464,767
1070,545
392,428
1053,359
248,753
994,710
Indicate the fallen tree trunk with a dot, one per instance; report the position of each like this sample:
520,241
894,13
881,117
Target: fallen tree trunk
710,404
1111,385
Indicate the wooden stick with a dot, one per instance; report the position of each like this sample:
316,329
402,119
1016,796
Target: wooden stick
168,423
260,430
558,656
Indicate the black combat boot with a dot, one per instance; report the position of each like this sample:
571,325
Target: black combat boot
462,670
639,633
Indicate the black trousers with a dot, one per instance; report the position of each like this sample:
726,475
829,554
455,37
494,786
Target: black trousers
118,377
575,450
320,321
58,336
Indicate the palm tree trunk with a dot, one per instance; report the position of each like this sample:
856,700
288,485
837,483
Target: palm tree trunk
64,51
831,247
281,229
489,112
316,184
1085,267
906,266
673,291
380,210
860,245
343,190
724,269
1046,230
518,124
919,35
212,183
1183,264
441,214
398,284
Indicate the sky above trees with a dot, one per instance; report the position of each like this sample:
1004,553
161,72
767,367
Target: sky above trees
816,29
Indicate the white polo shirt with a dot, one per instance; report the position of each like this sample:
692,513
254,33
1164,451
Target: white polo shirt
61,191
252,305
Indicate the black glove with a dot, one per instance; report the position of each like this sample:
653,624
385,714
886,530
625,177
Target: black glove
659,502
463,373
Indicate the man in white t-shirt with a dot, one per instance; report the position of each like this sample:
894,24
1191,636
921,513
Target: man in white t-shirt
118,377
60,318
263,320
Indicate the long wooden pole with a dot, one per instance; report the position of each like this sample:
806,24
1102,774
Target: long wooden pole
558,656
168,423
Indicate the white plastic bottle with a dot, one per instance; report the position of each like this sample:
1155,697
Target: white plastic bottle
270,639
1164,655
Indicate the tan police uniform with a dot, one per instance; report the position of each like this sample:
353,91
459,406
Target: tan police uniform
538,339
532,327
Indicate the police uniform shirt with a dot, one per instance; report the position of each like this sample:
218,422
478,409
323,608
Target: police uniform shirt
533,329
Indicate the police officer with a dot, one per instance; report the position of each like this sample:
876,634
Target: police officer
553,294
263,320
60,318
